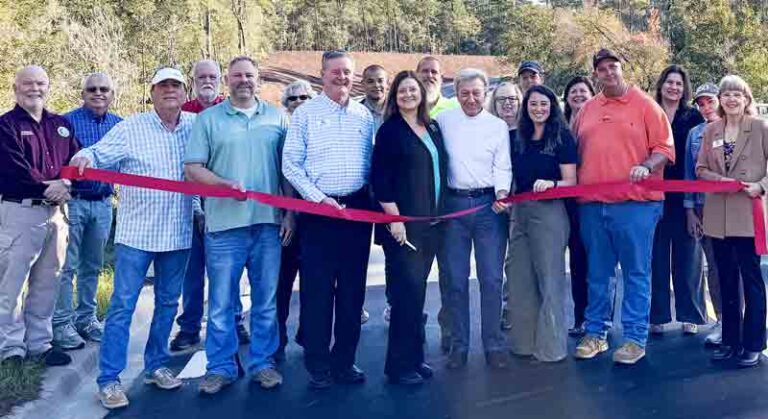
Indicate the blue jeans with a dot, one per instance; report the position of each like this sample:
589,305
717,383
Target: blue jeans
487,231
131,267
228,252
619,233
89,225
193,290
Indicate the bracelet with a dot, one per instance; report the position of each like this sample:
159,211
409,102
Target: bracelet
646,166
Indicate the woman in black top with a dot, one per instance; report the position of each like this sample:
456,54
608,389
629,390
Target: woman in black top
544,158
674,250
577,92
408,177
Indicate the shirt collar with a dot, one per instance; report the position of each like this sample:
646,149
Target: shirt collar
371,107
21,113
332,104
231,110
156,117
92,115
624,99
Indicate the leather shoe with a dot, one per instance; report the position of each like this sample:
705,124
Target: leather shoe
497,359
351,375
456,360
425,371
724,353
408,379
749,359
320,380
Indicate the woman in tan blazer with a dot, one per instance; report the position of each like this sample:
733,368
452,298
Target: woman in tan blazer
736,148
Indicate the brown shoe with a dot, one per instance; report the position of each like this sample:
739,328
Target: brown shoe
497,359
456,360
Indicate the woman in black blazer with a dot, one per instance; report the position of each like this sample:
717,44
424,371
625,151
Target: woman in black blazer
408,178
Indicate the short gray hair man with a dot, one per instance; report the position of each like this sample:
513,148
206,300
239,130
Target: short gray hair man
467,74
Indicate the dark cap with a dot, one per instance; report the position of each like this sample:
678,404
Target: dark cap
706,89
528,65
602,55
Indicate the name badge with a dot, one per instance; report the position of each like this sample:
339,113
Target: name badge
718,143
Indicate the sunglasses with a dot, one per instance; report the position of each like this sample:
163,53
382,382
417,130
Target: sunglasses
502,99
295,98
101,89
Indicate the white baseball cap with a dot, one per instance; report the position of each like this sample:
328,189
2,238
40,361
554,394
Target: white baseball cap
168,73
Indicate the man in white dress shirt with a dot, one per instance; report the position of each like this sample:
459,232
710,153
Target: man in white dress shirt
152,226
479,173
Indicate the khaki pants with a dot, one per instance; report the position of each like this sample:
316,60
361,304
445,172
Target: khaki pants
538,287
33,244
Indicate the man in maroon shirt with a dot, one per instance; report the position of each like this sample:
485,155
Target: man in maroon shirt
34,145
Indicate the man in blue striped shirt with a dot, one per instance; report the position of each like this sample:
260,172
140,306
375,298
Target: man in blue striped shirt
90,215
152,227
327,158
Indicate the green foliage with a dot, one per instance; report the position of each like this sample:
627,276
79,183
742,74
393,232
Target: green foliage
131,38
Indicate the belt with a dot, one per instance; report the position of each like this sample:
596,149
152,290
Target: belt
86,197
471,192
354,196
30,202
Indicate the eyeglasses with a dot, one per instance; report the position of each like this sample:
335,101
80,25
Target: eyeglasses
101,89
502,99
299,97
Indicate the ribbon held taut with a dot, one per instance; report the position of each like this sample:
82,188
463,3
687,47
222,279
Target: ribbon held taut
300,205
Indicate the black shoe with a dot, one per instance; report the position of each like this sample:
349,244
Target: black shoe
13,361
351,375
445,343
242,334
749,359
576,332
320,380
279,355
425,371
54,358
724,353
408,379
456,360
497,359
184,341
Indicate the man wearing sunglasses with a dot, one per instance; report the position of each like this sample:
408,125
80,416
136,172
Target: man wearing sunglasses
90,215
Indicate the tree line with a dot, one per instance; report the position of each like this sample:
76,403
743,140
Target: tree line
131,38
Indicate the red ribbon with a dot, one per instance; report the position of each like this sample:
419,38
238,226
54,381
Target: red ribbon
350,214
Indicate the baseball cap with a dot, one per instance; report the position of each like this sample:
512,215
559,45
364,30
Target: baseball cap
529,65
603,54
706,89
168,73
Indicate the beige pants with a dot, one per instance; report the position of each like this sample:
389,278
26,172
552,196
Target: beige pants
33,244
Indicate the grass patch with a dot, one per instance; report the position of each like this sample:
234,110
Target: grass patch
104,291
19,383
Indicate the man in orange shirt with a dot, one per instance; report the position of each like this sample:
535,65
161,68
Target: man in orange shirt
623,135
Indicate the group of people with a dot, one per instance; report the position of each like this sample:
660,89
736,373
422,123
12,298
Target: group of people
405,149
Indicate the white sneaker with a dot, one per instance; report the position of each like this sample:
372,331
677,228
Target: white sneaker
364,316
715,336
112,396
387,313
690,328
163,378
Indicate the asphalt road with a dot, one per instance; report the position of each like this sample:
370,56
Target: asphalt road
676,380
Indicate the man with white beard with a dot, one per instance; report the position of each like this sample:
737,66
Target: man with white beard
430,74
207,79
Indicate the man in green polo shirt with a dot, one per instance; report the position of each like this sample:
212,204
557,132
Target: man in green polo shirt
429,72
238,144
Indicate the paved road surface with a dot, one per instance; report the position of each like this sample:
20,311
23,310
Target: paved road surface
676,380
